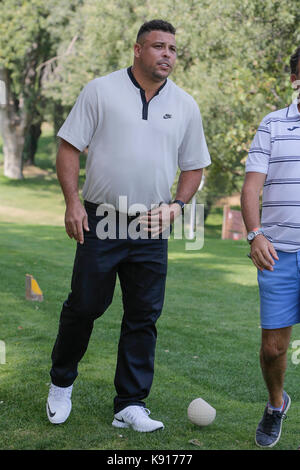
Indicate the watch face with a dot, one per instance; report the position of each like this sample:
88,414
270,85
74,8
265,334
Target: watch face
250,236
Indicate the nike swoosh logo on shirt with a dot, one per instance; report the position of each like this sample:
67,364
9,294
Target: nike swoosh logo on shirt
50,412
293,128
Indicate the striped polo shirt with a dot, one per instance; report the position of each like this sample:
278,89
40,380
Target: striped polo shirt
275,151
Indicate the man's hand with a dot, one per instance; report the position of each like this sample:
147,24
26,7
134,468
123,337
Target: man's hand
76,220
157,220
263,253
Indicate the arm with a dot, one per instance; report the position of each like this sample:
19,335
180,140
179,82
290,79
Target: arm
67,168
262,250
188,183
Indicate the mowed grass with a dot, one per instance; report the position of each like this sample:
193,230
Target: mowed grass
208,340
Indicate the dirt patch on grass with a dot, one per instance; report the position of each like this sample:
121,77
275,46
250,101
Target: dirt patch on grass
31,171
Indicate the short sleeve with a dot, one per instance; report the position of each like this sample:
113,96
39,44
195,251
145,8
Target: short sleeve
80,125
193,152
260,150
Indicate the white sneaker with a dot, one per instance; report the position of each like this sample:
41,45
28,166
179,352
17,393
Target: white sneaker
59,404
138,418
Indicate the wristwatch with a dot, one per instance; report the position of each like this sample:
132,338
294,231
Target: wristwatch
251,235
177,201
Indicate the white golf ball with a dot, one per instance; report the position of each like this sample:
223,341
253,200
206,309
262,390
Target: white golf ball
200,412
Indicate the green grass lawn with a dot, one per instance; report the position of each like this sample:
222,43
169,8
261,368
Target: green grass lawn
208,340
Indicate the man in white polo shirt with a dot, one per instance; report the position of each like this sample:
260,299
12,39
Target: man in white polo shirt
273,164
139,127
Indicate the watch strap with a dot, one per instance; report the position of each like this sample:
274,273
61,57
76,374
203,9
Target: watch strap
177,201
256,231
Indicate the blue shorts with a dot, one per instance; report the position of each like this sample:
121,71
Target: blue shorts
280,292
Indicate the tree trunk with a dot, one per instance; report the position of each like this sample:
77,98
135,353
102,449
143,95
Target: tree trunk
32,136
13,142
12,122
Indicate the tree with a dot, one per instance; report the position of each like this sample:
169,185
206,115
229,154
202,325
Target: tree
26,41
23,42
232,58
248,48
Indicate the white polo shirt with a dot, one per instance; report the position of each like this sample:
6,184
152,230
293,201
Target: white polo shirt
275,151
135,147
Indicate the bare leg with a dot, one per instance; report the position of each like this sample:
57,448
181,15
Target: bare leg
273,356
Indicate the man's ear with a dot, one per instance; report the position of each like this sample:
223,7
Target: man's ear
137,50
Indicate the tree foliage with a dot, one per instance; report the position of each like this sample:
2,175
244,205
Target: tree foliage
27,35
233,58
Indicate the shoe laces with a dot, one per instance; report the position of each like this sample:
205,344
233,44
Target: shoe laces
271,420
136,412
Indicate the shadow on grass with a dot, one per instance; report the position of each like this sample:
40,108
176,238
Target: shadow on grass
39,182
208,340
213,223
204,311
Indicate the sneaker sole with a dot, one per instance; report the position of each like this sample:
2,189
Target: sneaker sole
120,424
279,435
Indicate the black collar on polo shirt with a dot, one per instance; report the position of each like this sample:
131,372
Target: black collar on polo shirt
143,94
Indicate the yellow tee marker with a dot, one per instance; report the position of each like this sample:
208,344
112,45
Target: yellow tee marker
33,291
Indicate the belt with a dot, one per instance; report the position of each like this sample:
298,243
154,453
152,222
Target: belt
93,206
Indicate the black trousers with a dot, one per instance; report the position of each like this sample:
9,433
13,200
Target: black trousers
141,266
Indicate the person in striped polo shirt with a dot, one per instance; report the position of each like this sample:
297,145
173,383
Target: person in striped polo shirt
273,167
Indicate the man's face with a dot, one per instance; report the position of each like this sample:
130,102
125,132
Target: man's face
156,54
